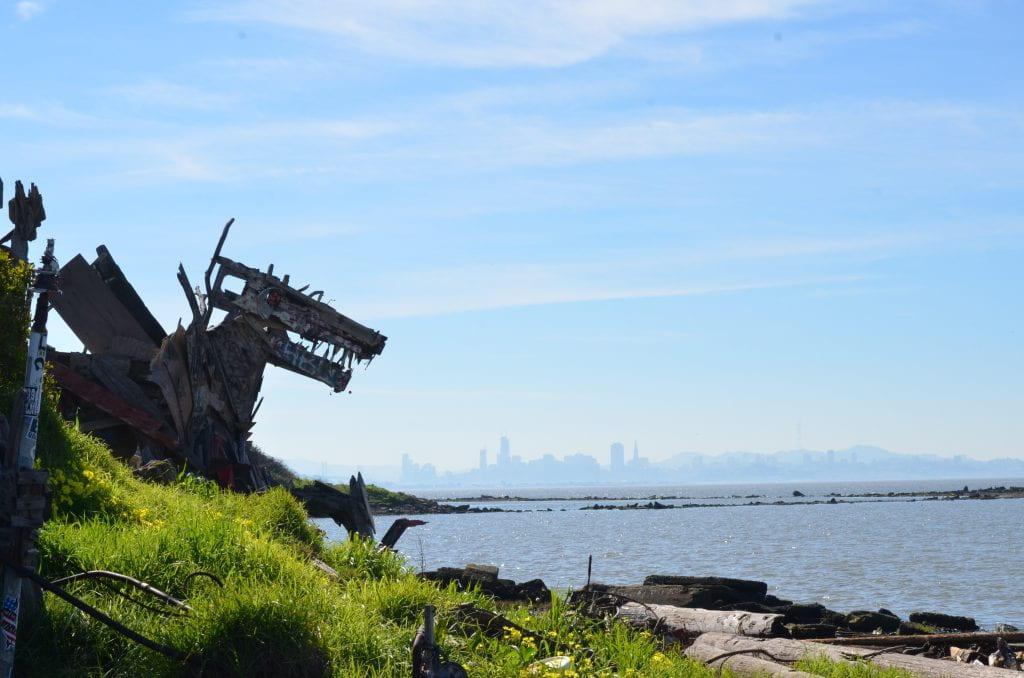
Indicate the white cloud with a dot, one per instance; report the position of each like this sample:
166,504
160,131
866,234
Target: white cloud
497,287
164,94
26,9
499,33
17,111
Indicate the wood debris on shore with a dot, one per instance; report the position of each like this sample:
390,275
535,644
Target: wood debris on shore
736,623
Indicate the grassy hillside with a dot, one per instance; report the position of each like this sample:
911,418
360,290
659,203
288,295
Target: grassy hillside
277,614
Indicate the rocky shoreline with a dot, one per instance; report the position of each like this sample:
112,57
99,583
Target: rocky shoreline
721,594
421,506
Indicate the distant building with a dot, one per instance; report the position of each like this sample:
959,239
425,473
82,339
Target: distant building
618,457
504,452
483,459
408,468
413,473
636,453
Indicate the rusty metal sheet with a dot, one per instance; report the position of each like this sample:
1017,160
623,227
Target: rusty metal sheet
110,403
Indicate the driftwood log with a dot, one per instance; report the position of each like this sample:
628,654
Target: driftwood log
352,510
745,664
686,621
930,639
786,650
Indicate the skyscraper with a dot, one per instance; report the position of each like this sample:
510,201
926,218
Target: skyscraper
618,457
483,459
636,453
504,452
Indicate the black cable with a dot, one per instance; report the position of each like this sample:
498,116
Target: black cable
165,650
203,573
125,579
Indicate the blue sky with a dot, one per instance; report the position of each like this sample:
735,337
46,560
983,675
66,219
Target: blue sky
704,225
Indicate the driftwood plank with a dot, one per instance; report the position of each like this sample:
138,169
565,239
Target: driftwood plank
93,312
682,621
102,399
794,650
752,664
168,370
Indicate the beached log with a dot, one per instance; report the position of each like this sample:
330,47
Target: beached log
746,664
784,649
689,621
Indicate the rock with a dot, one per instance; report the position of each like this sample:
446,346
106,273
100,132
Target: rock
502,589
534,590
772,601
834,618
157,471
707,597
489,572
811,613
751,590
866,621
915,629
798,493
799,631
944,621
1002,627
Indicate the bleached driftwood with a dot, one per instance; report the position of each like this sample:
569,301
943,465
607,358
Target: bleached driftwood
691,621
747,664
793,650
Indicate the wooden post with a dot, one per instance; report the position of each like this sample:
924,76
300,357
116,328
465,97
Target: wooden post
26,487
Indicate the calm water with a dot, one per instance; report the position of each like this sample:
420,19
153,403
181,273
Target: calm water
960,557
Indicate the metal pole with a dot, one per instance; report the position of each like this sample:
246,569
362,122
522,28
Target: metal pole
45,282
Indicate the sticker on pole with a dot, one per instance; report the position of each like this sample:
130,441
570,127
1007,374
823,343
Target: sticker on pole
10,621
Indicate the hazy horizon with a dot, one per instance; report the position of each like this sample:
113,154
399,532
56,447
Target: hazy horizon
861,463
715,226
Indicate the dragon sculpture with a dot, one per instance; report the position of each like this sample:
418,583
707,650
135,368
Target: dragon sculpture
192,395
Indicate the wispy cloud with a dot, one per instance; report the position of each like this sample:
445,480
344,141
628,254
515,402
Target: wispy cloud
17,112
163,94
499,33
523,286
731,265
455,134
27,9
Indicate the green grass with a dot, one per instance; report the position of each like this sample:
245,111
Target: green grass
823,666
277,614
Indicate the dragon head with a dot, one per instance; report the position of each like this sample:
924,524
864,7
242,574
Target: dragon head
302,333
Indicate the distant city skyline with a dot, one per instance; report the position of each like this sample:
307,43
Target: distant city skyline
861,462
